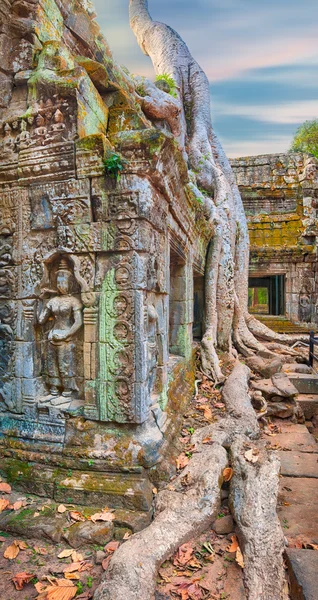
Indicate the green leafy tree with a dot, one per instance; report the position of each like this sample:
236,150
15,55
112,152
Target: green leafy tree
306,138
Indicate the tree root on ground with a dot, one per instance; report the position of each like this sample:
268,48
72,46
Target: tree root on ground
184,512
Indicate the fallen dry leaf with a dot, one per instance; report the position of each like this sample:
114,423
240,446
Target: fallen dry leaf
21,579
183,555
18,504
77,557
22,545
234,546
182,461
127,535
65,553
40,587
5,487
73,567
106,561
252,455
63,590
227,474
102,516
111,547
239,558
71,575
77,516
3,504
61,509
12,551
207,440
41,551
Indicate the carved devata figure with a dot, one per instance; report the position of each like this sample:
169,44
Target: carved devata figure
64,310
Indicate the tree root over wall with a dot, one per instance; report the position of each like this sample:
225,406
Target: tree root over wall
182,514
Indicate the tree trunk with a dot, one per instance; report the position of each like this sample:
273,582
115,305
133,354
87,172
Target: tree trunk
226,292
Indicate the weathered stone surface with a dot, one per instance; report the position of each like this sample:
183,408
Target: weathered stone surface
303,568
299,464
305,384
294,437
81,534
298,508
308,404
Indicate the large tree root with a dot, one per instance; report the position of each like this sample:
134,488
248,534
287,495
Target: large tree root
180,514
253,499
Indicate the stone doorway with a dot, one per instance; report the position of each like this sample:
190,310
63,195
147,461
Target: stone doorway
266,295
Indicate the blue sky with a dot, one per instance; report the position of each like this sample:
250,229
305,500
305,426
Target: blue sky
260,57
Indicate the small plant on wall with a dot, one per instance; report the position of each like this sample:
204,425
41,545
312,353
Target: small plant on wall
114,165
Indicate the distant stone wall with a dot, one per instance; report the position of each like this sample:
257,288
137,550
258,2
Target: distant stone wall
280,196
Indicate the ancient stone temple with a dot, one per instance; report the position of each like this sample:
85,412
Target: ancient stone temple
280,196
99,266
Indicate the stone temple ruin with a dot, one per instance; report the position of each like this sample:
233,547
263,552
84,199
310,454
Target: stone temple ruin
102,277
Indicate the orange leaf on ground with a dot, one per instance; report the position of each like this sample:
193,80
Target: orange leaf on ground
106,561
66,553
21,579
111,546
5,487
182,461
3,504
12,551
72,567
239,558
183,555
207,440
71,576
227,474
77,516
18,504
63,590
234,546
41,551
22,545
102,516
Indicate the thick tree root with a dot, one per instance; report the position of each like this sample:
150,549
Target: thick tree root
180,514
253,500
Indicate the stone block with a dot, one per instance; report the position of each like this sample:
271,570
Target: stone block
303,569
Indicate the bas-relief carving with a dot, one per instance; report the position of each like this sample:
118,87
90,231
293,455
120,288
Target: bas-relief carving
65,310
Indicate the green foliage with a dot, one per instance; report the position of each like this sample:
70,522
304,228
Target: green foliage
114,164
171,83
306,138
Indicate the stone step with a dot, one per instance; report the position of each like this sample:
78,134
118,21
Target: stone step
309,404
299,464
298,508
294,437
303,570
305,384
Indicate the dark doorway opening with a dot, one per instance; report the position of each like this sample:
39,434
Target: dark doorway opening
266,295
198,306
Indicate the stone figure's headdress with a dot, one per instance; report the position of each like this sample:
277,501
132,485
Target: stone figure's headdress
63,266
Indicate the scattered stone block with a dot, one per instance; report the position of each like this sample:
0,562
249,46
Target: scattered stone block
224,525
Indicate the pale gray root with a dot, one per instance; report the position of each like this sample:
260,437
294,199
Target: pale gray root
158,105
240,416
253,501
185,511
180,515
226,291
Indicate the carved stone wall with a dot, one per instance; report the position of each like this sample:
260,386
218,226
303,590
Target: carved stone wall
280,195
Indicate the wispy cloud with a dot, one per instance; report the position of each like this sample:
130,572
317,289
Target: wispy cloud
290,112
261,59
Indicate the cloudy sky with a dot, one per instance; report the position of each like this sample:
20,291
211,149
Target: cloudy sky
260,57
